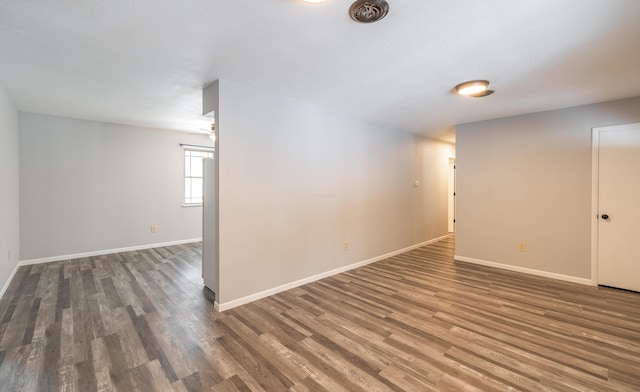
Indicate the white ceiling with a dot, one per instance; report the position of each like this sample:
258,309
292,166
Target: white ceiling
145,62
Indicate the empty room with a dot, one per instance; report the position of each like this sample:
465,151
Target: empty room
319,195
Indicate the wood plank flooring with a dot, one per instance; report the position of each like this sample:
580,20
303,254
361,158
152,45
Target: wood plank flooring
141,321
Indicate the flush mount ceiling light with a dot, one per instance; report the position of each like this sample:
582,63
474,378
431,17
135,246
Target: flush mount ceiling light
211,133
474,88
368,11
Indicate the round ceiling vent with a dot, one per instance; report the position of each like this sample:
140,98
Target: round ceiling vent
368,11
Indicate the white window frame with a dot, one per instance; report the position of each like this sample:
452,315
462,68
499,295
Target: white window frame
188,198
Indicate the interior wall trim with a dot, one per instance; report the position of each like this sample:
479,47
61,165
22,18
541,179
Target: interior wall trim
105,252
8,282
545,274
221,307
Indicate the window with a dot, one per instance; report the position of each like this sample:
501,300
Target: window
193,175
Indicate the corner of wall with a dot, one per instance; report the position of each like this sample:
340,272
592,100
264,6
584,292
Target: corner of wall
9,192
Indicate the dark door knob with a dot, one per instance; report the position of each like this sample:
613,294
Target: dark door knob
605,216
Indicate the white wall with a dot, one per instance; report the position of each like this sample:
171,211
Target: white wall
210,266
88,186
528,179
296,181
9,190
210,237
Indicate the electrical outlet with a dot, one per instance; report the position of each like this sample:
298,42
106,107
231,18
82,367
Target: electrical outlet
154,228
346,245
522,247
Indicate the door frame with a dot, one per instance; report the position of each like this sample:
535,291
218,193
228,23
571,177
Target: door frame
595,188
451,199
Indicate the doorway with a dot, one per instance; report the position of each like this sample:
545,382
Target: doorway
451,192
616,210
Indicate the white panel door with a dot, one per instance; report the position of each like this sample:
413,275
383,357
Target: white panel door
619,207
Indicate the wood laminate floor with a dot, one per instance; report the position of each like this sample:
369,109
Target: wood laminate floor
141,321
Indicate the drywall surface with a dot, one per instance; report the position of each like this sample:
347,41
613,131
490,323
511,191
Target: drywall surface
210,230
9,189
527,179
89,186
304,190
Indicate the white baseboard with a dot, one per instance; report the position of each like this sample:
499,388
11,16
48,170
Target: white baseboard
105,252
221,307
8,282
545,274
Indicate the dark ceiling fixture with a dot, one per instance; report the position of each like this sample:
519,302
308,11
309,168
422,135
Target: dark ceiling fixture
368,11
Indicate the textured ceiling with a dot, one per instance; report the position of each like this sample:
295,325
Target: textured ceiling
145,62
